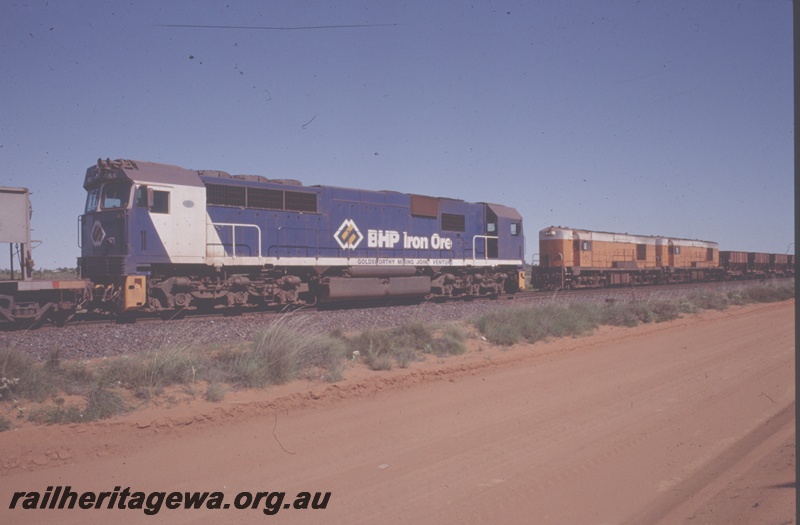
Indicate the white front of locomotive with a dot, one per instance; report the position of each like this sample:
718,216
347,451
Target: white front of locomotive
139,216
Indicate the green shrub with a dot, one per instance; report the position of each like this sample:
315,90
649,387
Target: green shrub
503,329
335,372
215,392
402,345
52,415
103,403
627,314
155,369
77,378
324,351
709,300
770,292
664,311
447,345
375,342
279,352
21,376
511,326
413,335
450,342
378,362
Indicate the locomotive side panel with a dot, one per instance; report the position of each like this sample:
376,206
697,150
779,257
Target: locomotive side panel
342,227
693,254
620,251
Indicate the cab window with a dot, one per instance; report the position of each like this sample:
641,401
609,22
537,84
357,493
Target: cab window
141,197
115,195
160,202
92,199
155,201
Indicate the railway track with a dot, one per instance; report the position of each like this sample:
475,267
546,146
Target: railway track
535,297
628,293
93,339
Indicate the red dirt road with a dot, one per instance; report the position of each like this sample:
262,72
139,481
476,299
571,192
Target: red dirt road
691,421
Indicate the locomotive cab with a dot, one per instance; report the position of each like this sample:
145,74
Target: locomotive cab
503,239
134,220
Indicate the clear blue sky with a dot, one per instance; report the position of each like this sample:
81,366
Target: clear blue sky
666,118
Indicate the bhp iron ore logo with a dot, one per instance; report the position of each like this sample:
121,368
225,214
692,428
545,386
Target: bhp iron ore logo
348,235
98,234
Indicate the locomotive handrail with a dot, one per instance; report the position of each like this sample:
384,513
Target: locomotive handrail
233,227
80,231
485,245
563,270
276,247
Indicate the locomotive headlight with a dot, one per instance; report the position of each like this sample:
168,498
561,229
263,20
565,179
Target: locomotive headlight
550,233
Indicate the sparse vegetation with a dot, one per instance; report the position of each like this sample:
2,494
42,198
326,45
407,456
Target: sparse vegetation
284,351
153,370
535,324
382,349
101,403
451,341
215,392
24,377
58,414
54,274
278,353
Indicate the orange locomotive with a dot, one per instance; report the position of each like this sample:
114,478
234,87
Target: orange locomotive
571,258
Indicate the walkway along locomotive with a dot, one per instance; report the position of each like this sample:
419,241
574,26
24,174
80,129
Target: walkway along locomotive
160,238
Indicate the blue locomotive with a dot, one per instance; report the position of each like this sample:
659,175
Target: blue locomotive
156,237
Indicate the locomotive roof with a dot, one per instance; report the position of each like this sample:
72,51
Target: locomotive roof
154,172
617,237
140,171
504,211
10,189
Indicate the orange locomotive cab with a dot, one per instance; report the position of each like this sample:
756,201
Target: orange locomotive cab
556,248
